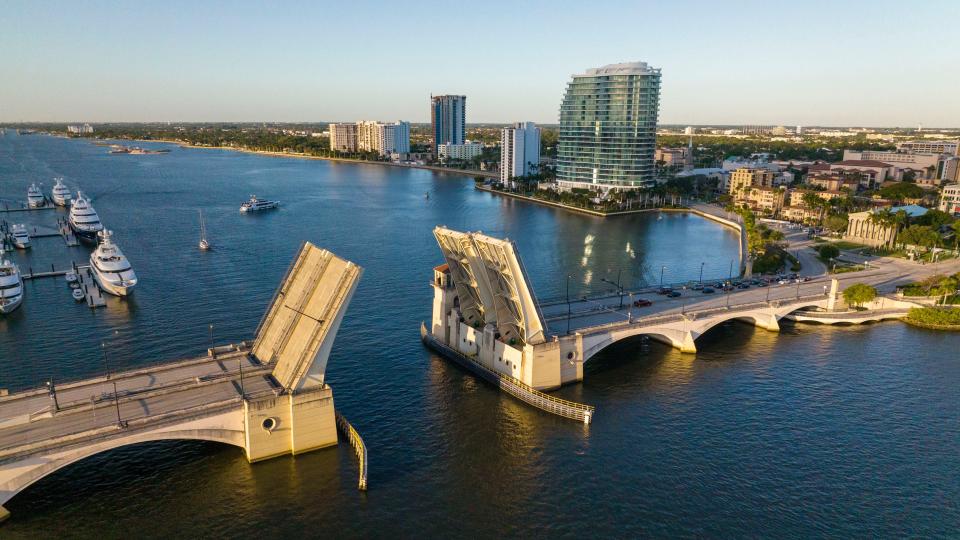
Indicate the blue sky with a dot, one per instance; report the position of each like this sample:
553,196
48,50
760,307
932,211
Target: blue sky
873,63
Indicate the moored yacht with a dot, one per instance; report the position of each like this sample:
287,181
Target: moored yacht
34,196
11,287
21,238
111,268
84,220
255,204
60,193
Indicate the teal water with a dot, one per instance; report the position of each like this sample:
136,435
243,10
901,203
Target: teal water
814,432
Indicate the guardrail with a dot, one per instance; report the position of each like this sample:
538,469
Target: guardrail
356,441
511,385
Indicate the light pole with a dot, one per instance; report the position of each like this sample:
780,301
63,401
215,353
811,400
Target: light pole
768,293
701,272
630,310
662,268
106,367
568,303
116,401
798,288
210,337
730,275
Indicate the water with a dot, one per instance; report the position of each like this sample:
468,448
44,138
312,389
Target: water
815,431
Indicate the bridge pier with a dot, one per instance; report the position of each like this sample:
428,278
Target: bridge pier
767,321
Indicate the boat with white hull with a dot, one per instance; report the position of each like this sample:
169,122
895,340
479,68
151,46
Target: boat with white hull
20,236
11,287
83,220
35,197
111,268
60,193
256,205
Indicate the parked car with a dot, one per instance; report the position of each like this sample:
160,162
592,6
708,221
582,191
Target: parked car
673,294
743,285
707,290
642,302
697,287
762,284
664,290
782,282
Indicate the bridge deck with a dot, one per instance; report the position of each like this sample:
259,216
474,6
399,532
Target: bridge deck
28,423
586,314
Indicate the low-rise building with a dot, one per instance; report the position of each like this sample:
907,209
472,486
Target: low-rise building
872,173
465,151
743,178
78,129
899,160
800,214
767,199
863,229
950,199
833,181
796,196
674,158
930,147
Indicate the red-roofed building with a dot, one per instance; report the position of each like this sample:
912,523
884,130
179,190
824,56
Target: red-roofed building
873,173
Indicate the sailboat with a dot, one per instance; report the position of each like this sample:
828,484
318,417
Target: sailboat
204,244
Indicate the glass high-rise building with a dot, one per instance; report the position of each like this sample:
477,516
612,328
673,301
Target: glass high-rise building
608,128
448,115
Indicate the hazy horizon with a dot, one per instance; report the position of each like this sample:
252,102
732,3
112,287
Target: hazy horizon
860,64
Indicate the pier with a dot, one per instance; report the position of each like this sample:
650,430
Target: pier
268,397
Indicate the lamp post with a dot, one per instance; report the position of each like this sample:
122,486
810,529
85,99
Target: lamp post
116,401
106,367
798,288
630,310
662,268
210,337
730,274
568,303
701,272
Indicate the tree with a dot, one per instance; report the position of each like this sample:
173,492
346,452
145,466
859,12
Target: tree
919,235
901,191
859,294
934,218
828,251
836,223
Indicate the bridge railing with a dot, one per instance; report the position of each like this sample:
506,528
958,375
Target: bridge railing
693,315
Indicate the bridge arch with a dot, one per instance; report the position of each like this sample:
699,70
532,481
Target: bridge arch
17,476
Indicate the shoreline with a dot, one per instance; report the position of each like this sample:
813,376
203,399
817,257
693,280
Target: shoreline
585,211
434,168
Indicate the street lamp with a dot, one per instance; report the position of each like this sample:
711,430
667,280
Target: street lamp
662,268
701,272
106,367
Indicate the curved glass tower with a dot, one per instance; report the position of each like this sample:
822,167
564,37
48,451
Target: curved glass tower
608,128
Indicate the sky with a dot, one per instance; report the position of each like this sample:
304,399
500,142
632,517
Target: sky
841,63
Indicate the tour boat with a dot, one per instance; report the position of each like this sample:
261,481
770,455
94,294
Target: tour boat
21,238
11,287
204,244
84,220
60,193
34,196
111,268
255,204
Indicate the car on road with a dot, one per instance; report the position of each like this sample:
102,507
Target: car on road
762,284
743,285
697,287
782,282
707,290
664,290
673,294
642,302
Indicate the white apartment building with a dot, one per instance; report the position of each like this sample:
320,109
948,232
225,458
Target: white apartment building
519,150
78,129
343,137
383,138
465,151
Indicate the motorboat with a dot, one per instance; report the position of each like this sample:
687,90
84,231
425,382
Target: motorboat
83,220
204,244
111,268
71,277
78,294
35,197
60,193
20,236
11,287
255,204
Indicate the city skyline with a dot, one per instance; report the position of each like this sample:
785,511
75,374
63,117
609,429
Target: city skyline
749,64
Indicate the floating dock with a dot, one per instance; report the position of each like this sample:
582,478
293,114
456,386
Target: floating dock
91,290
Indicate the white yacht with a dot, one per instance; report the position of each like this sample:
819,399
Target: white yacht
60,193
21,238
11,287
34,197
84,220
255,204
111,268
